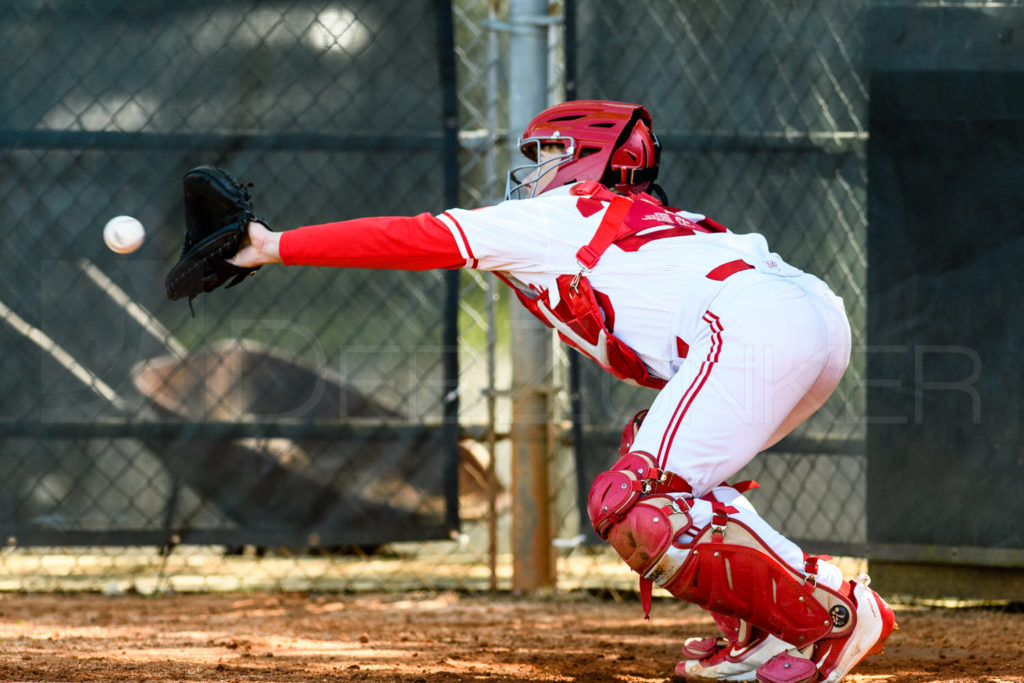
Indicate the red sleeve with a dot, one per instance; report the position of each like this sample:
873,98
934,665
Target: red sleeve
397,242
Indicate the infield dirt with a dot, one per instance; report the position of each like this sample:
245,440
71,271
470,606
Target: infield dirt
431,637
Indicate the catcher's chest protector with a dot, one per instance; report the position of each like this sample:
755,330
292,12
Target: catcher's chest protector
584,317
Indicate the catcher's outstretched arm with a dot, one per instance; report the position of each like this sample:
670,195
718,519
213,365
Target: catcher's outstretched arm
393,242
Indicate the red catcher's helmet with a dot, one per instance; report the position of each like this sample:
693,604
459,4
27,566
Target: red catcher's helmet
611,142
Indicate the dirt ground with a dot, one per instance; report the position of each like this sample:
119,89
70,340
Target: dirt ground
431,637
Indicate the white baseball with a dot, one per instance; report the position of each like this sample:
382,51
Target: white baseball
123,234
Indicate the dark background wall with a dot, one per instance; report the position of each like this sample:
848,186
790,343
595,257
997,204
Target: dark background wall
945,247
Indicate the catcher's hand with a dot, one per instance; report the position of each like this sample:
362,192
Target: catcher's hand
218,210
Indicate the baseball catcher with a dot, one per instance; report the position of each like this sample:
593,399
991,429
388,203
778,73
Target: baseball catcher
218,211
741,346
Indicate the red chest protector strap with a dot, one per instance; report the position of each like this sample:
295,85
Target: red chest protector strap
612,225
583,317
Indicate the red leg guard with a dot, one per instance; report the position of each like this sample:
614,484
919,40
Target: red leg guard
731,571
732,628
728,570
632,477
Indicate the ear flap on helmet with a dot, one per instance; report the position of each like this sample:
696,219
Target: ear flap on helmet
635,159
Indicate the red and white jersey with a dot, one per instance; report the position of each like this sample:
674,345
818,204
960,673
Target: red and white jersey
655,280
654,284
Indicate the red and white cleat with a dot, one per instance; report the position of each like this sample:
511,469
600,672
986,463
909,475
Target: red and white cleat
875,622
832,658
718,659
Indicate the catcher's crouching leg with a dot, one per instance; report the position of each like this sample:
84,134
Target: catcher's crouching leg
725,567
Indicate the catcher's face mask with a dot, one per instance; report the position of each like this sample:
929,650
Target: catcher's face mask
543,159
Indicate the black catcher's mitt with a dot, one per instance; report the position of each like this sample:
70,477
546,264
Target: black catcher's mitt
217,214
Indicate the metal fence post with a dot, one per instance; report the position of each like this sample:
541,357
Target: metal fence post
450,132
533,559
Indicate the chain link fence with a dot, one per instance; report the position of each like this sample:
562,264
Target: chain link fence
302,414
298,432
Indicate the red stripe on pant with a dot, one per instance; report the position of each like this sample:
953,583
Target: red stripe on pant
679,414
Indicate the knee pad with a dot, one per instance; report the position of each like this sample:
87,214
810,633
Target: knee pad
650,531
616,491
